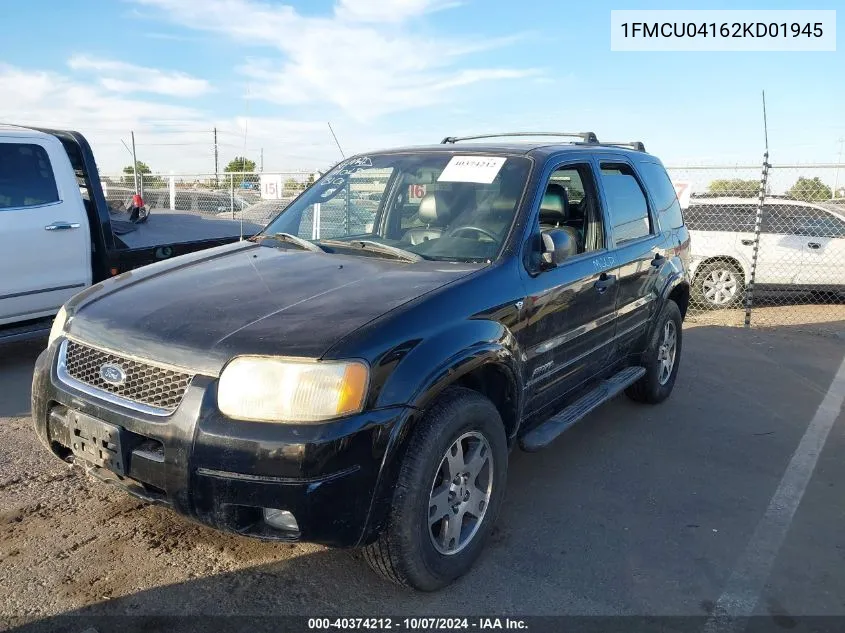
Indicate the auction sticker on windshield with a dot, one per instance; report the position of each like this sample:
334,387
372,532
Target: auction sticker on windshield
481,169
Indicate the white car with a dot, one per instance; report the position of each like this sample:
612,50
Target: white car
802,248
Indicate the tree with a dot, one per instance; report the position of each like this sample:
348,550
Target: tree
292,185
809,190
237,166
735,187
310,180
129,178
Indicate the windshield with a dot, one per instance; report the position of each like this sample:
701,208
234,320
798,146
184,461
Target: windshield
438,205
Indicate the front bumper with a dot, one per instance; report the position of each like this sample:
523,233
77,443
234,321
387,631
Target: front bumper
222,472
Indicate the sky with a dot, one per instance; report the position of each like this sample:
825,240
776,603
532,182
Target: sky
271,74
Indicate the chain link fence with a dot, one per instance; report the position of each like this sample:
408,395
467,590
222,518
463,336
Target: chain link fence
797,257
789,269
207,194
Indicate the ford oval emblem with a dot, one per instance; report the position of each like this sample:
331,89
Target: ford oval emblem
113,374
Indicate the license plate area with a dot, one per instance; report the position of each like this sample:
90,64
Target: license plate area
97,442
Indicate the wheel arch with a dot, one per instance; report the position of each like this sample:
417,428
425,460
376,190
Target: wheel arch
489,366
735,261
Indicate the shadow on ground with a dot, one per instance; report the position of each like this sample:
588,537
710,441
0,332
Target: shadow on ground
17,361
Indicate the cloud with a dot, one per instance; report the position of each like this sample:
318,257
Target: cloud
365,58
172,137
119,76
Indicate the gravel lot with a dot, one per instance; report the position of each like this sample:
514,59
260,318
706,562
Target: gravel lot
640,510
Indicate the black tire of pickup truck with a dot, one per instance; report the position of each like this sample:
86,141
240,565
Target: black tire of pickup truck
648,389
404,552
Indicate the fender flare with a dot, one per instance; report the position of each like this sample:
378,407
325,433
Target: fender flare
491,344
675,279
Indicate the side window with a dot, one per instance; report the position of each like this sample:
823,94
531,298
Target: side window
821,225
728,218
627,204
570,203
658,183
26,176
210,203
782,219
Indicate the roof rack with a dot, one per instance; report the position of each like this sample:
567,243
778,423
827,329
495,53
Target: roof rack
586,137
637,145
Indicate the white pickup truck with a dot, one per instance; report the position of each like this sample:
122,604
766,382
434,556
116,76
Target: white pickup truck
58,236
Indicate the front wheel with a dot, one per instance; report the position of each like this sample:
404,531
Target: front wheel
448,494
661,358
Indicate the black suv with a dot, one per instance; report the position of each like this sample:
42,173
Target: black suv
365,388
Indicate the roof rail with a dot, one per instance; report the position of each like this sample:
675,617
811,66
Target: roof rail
586,137
637,145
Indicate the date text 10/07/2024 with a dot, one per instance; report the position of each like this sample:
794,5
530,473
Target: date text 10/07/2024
416,624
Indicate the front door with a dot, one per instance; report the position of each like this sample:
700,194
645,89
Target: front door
44,238
570,308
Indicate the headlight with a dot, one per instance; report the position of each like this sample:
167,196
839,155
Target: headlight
58,326
266,389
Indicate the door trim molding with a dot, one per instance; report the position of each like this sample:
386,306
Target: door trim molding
35,292
556,341
582,355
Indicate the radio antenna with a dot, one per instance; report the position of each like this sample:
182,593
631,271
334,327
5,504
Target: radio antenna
243,169
342,155
765,124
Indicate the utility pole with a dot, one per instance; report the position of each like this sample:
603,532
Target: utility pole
216,177
261,162
134,163
838,163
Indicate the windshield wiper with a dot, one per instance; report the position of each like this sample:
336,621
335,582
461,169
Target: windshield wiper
291,239
378,247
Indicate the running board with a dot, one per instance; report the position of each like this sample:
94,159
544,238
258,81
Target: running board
549,430
39,329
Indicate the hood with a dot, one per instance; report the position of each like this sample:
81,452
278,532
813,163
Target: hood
199,311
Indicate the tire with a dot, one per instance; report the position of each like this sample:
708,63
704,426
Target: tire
405,551
655,386
717,285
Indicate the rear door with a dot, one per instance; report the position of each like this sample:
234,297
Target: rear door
45,244
639,249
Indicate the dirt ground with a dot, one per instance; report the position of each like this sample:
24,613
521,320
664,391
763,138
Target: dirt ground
639,510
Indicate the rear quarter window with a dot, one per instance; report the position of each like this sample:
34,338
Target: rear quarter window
662,191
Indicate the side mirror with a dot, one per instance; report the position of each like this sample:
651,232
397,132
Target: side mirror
558,245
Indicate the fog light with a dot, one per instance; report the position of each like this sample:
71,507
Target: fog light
280,519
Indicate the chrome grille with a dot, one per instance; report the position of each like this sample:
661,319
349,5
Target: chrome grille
147,384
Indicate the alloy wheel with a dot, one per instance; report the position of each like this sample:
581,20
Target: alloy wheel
460,493
666,352
720,286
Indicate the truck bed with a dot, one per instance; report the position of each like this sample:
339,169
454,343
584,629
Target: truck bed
165,227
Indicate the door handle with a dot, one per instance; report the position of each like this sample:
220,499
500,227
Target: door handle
814,245
658,260
605,281
747,242
61,226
